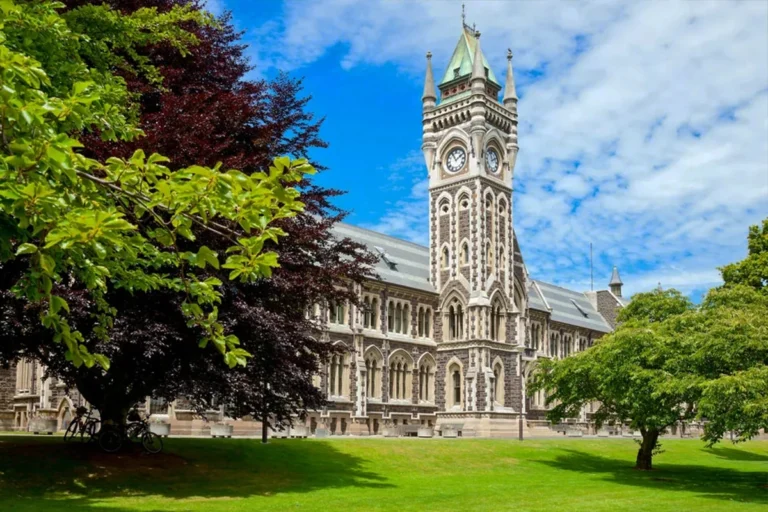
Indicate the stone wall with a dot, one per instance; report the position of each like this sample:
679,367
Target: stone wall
608,307
7,387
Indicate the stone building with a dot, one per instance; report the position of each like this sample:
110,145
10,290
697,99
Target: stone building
450,332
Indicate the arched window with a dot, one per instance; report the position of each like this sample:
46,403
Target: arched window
400,377
445,258
406,319
373,377
340,316
459,322
421,321
427,316
391,317
375,314
502,259
426,380
367,313
332,312
465,253
337,378
451,323
454,392
398,318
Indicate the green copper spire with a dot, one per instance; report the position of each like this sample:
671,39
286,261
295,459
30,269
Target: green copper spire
464,56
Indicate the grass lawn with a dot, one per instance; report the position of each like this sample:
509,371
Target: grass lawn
40,474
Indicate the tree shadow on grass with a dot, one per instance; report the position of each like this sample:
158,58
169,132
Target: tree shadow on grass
711,482
35,474
724,452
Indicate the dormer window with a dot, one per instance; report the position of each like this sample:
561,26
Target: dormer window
457,70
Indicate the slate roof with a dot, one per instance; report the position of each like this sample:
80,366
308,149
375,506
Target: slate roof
406,264
568,306
403,263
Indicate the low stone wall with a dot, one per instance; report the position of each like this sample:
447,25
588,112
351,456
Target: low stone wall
7,420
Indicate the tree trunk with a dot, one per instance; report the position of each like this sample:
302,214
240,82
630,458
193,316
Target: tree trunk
112,403
645,453
264,427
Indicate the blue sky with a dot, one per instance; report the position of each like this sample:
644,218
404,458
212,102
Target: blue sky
643,125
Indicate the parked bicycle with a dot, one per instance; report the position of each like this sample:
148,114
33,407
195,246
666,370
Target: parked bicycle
84,426
112,436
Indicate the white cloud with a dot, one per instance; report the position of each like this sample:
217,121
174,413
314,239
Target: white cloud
664,105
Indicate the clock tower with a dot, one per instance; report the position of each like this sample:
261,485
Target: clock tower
470,147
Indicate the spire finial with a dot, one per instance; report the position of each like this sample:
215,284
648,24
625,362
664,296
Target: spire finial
510,91
429,97
463,15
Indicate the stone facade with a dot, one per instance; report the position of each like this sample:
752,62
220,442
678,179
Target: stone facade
451,332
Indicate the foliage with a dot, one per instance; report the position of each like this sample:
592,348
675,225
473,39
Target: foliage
670,362
753,270
655,306
123,223
205,111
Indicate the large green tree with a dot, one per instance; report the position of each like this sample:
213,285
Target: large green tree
67,220
626,373
669,362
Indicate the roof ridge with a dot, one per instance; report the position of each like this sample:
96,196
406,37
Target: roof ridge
558,286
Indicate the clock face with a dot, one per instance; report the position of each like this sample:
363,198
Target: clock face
456,159
492,160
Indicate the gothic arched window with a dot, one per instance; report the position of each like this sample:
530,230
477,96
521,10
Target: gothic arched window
400,377
464,253
426,382
444,261
375,314
367,313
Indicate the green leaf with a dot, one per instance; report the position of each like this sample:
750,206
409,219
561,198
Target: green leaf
57,303
26,249
206,255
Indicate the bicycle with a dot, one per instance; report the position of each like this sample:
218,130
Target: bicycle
82,424
112,437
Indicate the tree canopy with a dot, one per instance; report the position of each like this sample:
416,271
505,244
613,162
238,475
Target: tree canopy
198,107
670,362
122,223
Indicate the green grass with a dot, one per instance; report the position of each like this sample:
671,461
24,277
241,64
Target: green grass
40,474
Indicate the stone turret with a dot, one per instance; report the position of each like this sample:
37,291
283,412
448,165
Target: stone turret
615,283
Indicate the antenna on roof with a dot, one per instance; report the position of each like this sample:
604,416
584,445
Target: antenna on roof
591,270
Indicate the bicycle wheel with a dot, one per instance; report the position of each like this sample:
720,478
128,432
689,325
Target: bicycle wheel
72,429
152,442
110,439
92,430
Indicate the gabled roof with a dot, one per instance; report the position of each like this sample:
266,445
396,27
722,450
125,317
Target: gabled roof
400,262
567,306
463,57
406,264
